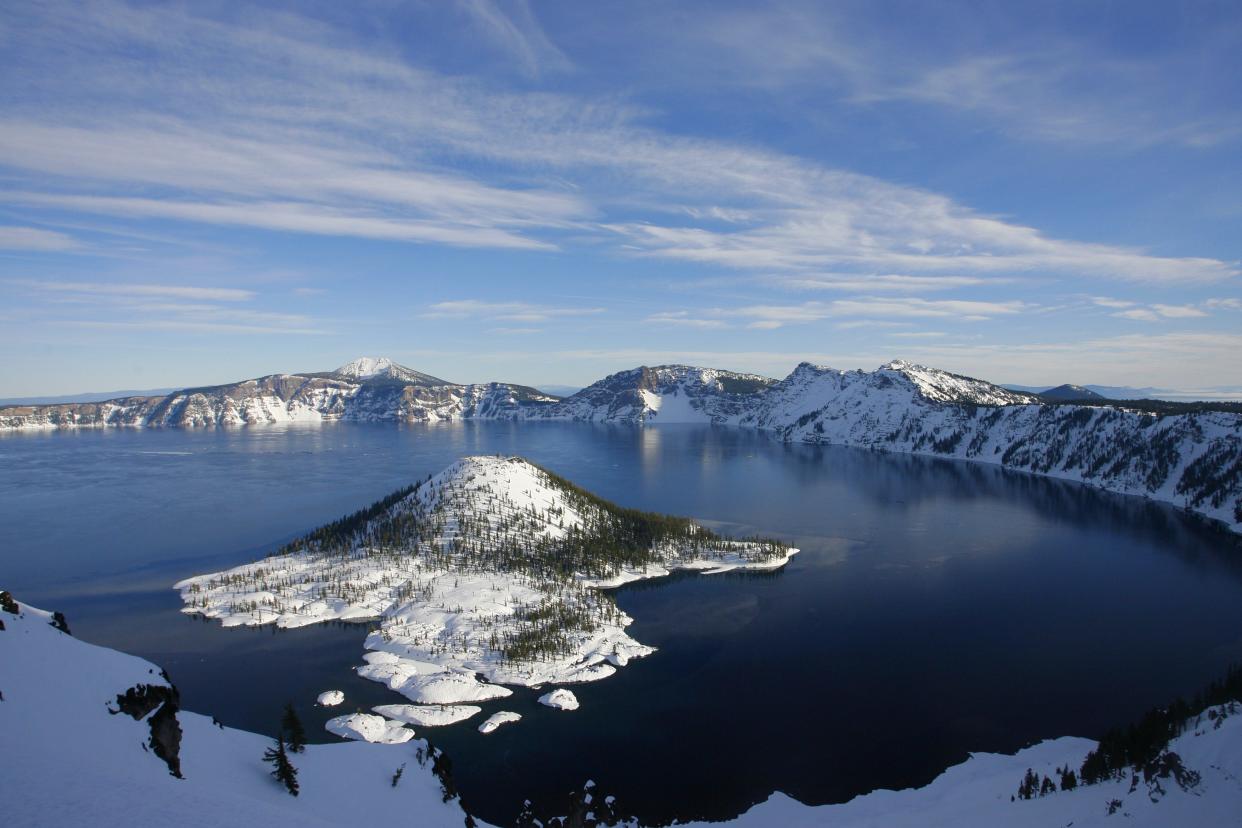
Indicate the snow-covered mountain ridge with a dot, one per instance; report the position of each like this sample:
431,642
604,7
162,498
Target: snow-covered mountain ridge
368,389
1193,460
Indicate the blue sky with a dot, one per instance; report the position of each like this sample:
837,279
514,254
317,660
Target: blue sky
545,193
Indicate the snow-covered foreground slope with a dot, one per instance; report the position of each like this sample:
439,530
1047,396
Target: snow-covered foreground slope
487,574
68,761
977,793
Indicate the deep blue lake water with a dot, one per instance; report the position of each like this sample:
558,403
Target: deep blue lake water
937,607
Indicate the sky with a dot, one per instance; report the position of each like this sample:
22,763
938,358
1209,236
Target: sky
544,193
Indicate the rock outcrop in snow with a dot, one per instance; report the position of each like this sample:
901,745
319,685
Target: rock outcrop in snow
487,574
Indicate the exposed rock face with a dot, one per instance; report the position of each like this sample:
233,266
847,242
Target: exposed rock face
8,604
139,701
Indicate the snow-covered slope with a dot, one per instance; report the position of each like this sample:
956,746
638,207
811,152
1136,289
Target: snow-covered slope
492,568
69,760
1191,460
371,367
979,792
664,394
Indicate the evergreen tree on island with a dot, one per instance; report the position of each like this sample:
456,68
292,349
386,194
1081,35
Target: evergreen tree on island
292,730
282,768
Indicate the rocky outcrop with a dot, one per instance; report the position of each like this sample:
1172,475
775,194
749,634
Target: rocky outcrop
139,702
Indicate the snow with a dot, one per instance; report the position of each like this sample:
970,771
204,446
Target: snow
673,407
438,622
364,367
330,698
561,699
437,688
497,719
367,728
428,715
976,793
68,762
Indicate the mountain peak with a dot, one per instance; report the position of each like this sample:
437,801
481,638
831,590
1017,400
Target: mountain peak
943,386
364,368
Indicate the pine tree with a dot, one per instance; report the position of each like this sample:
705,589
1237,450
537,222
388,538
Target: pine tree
282,768
292,730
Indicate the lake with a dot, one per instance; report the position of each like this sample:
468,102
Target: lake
937,607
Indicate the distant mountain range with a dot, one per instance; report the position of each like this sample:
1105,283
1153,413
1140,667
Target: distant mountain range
88,396
1190,455
1126,392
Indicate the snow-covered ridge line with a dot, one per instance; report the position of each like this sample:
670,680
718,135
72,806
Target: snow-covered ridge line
489,573
1191,460
980,792
369,389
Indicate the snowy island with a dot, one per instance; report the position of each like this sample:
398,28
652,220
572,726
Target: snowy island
491,573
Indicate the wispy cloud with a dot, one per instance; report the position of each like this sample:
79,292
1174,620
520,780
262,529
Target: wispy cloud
219,294
290,126
515,331
517,33
120,306
770,317
504,311
187,325
897,283
1032,85
291,217
1126,309
33,238
684,319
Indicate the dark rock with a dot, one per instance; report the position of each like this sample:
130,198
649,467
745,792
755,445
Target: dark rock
138,701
